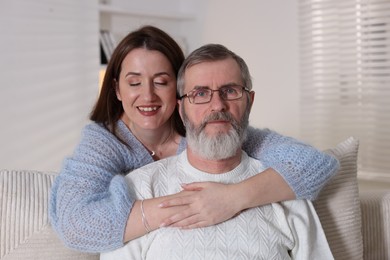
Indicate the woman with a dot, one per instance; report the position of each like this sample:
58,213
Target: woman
135,123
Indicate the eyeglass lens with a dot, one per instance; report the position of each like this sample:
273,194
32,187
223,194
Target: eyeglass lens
203,95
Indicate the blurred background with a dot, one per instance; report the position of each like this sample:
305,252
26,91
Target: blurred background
321,70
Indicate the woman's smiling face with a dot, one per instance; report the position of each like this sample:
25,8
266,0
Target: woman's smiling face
147,89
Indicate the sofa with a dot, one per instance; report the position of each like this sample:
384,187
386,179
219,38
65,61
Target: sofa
357,225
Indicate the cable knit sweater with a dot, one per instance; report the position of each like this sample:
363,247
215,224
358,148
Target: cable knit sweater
90,201
286,230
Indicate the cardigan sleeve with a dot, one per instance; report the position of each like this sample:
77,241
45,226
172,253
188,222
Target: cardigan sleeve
305,169
90,200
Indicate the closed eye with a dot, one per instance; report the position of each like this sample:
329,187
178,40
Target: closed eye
162,83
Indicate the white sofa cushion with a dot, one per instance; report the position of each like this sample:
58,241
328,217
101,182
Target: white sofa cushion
338,205
25,232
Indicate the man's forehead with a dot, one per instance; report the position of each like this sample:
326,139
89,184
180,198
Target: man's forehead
213,72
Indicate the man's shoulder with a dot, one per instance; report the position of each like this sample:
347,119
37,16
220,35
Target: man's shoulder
257,164
299,207
153,179
157,167
298,203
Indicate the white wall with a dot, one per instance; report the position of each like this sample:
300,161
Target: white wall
48,79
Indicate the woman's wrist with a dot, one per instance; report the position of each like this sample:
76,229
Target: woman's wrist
152,215
144,219
146,216
244,195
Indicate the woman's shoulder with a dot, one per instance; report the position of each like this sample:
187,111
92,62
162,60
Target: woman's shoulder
96,137
98,132
94,127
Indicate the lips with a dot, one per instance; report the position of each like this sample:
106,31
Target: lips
218,122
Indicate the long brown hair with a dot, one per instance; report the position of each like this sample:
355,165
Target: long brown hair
108,109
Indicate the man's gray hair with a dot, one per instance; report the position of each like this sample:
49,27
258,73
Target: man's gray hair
212,52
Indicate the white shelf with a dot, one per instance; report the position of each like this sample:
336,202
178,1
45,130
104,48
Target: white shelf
109,9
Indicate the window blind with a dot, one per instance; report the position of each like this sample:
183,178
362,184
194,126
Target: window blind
49,79
345,77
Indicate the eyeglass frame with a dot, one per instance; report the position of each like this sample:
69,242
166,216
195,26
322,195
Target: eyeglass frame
191,98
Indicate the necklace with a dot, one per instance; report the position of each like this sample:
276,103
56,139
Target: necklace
153,152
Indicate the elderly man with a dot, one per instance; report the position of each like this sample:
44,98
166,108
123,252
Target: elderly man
216,99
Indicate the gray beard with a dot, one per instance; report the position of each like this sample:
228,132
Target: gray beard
218,147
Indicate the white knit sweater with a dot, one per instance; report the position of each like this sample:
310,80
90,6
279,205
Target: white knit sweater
287,230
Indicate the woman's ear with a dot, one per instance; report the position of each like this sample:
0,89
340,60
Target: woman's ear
117,92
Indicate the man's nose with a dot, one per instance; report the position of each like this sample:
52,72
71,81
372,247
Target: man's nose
217,102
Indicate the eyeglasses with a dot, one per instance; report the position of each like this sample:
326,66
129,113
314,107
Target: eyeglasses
204,94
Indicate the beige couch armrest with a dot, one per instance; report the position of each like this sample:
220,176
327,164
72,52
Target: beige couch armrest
375,208
25,231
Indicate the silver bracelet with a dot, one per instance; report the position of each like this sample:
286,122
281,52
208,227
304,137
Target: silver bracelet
144,221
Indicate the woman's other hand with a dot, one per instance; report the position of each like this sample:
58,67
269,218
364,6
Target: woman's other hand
208,203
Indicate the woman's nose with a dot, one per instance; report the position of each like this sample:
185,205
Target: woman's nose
148,91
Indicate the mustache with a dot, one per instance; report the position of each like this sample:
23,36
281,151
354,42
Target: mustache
225,116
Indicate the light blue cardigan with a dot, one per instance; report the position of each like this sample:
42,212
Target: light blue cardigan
90,201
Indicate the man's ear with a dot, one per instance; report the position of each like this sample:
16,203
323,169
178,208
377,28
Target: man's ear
251,98
179,107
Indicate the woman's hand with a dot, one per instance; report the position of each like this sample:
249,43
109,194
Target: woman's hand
210,204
